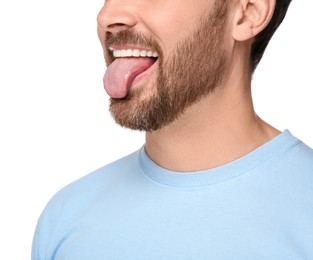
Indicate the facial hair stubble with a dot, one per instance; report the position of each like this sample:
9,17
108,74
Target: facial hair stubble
191,72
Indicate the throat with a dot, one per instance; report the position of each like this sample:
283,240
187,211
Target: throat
207,146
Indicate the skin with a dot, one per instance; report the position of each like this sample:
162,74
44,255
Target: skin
223,126
182,78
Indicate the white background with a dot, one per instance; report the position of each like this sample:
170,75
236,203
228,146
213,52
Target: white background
54,124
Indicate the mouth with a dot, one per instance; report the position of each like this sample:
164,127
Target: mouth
123,53
127,67
117,52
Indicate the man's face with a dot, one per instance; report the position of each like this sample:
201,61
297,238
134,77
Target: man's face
188,39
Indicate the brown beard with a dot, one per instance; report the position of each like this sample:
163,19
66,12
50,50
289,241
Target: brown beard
193,71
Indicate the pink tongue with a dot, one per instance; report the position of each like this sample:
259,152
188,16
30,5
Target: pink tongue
120,74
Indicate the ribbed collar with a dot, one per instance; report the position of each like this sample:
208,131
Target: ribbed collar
230,170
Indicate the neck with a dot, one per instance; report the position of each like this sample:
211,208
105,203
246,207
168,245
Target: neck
219,129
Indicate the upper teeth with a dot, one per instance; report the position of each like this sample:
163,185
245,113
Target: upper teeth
134,53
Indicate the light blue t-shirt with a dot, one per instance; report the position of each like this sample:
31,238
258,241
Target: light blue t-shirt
257,207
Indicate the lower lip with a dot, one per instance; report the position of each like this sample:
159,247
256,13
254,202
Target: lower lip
143,75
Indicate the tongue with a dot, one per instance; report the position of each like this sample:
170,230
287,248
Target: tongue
121,73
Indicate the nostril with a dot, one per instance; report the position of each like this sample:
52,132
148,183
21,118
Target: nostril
116,25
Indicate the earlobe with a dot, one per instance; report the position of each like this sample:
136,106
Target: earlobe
251,17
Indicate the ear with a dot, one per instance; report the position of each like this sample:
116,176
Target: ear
251,17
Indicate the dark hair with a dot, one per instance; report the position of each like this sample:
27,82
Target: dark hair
263,38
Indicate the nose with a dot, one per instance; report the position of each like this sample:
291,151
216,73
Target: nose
116,15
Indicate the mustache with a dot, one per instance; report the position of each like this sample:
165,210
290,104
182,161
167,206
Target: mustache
129,37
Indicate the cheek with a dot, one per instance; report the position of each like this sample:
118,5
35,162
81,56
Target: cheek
170,22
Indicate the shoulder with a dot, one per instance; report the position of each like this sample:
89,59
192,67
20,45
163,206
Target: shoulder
91,185
294,169
300,156
289,156
288,168
74,200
